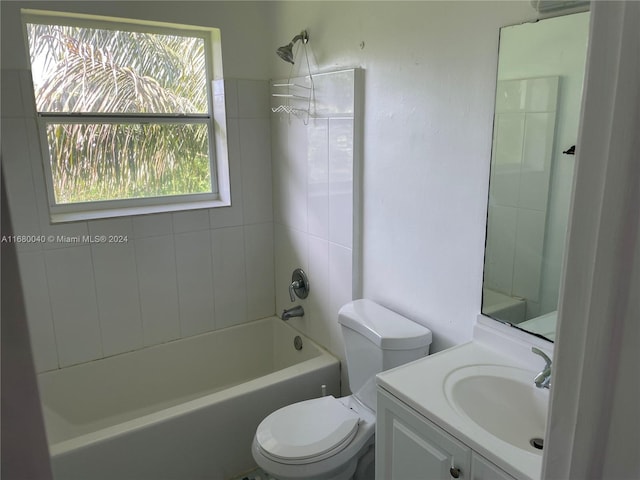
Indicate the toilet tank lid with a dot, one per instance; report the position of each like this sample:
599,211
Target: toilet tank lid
385,328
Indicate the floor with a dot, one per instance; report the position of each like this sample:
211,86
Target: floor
257,474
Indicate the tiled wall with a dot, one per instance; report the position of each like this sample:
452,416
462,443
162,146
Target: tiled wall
314,177
178,274
520,173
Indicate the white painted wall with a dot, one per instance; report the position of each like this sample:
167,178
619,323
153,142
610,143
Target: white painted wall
430,73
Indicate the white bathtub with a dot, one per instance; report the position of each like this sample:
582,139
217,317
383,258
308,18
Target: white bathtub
504,307
183,410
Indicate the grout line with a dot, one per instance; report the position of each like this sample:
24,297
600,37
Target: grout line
95,289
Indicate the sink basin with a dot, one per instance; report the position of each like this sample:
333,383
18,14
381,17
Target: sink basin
501,400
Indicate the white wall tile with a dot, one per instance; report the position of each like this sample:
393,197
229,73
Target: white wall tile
35,289
538,141
507,159
319,324
231,97
253,99
508,149
520,178
292,174
195,282
279,141
291,252
318,177
501,248
20,187
191,221
528,254
341,181
118,297
258,240
152,225
511,96
229,280
334,93
340,292
255,151
135,298
340,277
536,160
541,94
156,264
73,303
231,216
313,201
121,226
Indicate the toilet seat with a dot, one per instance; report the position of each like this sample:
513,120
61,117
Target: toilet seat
307,431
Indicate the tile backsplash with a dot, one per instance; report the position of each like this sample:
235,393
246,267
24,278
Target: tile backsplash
177,274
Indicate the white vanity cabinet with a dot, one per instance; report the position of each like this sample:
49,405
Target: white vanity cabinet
410,447
483,469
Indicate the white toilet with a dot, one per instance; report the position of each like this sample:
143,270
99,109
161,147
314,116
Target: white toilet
333,438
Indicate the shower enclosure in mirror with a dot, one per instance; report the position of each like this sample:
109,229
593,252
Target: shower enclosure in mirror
538,99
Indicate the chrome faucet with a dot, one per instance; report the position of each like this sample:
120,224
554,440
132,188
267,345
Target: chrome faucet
296,311
543,379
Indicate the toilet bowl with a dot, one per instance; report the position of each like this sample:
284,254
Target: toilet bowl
331,438
317,439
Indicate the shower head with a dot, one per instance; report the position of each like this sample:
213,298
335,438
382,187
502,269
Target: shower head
286,52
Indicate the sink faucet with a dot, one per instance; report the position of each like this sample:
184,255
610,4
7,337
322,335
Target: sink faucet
296,311
543,379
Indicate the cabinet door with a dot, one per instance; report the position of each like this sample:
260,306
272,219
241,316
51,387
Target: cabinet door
410,447
483,469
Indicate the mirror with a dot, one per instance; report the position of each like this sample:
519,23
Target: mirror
541,68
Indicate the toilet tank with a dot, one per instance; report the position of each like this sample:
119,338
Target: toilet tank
377,339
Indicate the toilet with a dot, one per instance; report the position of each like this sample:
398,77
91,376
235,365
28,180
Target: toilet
330,438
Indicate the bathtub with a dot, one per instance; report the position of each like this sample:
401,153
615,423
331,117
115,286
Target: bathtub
184,410
504,307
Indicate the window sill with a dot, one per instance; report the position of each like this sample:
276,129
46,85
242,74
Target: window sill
141,210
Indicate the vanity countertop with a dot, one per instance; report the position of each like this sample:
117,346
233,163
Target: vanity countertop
421,385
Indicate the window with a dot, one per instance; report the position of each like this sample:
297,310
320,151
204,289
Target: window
126,115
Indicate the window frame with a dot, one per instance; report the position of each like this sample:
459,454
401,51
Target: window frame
214,118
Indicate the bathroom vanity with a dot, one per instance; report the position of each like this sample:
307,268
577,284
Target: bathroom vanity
411,446
471,412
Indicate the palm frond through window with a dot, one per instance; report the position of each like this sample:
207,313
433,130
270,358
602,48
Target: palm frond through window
126,113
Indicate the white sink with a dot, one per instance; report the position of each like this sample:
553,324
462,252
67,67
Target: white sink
501,400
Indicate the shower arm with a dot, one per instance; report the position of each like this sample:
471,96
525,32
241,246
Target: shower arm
303,35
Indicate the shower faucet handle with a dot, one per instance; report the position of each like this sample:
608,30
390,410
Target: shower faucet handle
299,285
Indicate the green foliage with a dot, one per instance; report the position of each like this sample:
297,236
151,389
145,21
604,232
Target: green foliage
96,71
173,162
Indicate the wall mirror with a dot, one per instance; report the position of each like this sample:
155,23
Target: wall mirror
541,69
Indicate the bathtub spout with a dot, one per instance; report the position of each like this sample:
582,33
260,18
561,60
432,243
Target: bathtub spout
296,311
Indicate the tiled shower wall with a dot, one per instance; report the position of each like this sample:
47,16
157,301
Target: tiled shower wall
315,167
521,170
179,274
